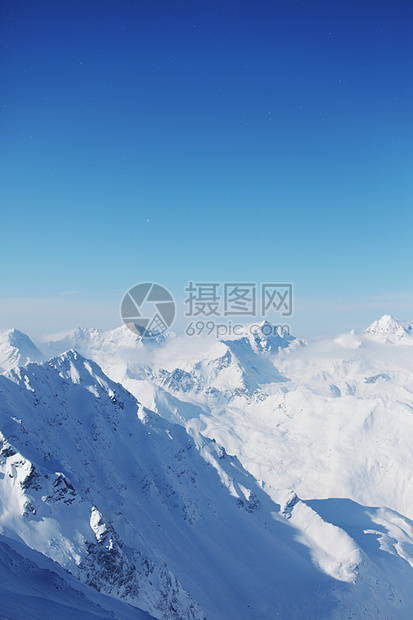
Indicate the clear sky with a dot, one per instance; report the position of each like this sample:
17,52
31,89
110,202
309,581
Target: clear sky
203,140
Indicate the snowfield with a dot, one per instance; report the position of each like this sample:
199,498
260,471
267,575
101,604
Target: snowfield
249,478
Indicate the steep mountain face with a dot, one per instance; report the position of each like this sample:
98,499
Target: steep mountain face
74,449
389,330
32,586
17,349
139,509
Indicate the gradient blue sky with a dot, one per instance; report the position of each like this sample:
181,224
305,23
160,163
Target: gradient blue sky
205,140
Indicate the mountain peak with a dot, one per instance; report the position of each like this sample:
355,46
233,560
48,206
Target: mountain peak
71,355
15,336
72,365
16,349
390,330
82,332
269,337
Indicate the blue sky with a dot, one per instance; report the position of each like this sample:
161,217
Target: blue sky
205,140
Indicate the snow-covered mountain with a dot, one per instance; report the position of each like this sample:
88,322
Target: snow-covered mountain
306,404
310,518
331,419
215,370
137,508
389,330
17,349
119,344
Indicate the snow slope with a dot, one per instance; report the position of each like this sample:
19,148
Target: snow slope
141,510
